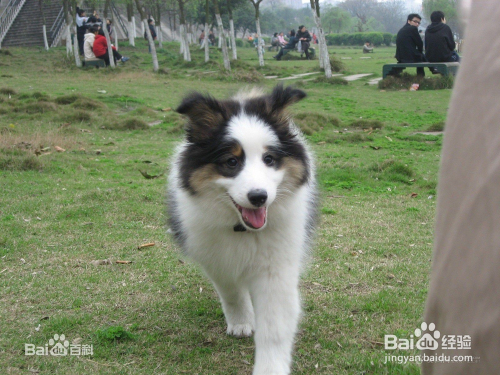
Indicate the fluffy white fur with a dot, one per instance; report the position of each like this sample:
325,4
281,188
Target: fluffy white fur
256,273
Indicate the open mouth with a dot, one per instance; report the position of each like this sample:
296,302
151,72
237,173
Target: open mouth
254,218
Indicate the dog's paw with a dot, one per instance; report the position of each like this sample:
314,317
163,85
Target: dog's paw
240,330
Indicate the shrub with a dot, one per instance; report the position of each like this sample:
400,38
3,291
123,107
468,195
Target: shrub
358,39
67,99
7,91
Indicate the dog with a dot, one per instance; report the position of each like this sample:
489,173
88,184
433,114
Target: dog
242,202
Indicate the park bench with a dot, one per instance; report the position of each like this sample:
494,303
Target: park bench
312,51
94,62
444,68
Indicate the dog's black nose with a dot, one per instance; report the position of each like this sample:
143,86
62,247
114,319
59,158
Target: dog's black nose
257,197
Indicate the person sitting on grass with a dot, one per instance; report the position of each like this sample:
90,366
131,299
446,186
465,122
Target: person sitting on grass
367,48
211,38
100,49
292,43
88,43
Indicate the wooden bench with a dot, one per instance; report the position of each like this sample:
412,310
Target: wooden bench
444,68
98,63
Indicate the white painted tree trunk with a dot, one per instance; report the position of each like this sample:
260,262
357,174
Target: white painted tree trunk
259,45
110,50
115,37
151,44
134,29
131,33
69,45
233,39
76,52
181,39
222,43
324,57
160,38
207,47
45,41
142,28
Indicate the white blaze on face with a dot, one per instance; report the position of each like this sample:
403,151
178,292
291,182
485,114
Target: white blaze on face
255,138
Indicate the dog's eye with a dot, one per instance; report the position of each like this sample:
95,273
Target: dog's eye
232,162
269,160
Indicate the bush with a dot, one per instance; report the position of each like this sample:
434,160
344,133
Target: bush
358,39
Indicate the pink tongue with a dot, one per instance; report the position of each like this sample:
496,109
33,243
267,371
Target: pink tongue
255,218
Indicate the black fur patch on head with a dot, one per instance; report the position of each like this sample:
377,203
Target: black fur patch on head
206,115
272,110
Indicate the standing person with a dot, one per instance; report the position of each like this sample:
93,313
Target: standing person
315,39
100,49
153,32
108,26
409,45
202,37
440,44
81,18
305,39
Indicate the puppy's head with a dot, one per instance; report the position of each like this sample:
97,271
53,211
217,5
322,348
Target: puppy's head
244,151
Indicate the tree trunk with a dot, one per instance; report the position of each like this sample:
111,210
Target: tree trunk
131,25
149,36
110,49
222,41
134,27
67,16
159,33
324,57
233,39
76,52
44,28
205,41
259,46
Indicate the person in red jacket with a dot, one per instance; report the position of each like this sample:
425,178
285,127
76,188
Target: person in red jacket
100,49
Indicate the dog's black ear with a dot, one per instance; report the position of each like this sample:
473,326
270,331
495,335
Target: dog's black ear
205,114
281,97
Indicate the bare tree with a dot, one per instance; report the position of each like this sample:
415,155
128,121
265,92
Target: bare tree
222,37
131,24
44,28
106,34
207,49
183,32
392,14
256,5
148,34
69,21
232,34
324,57
362,9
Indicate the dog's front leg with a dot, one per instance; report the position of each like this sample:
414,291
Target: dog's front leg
277,308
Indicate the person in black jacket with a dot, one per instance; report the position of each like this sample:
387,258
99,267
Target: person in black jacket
409,45
305,39
153,32
439,41
292,42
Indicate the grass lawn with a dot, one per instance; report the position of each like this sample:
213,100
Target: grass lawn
63,213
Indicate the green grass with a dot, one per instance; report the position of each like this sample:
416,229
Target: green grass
60,211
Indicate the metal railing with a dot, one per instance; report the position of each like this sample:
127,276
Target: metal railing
119,18
55,31
8,16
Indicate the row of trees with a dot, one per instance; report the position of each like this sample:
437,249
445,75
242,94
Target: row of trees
211,14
